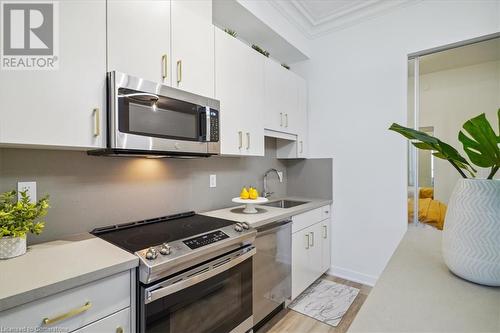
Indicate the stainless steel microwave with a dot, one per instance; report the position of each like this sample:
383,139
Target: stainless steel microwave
151,119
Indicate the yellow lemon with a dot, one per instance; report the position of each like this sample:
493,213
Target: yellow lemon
253,193
244,193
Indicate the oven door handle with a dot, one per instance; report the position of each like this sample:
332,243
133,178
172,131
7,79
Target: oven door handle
153,293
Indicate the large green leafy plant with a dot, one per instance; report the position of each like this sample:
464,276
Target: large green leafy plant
479,141
18,217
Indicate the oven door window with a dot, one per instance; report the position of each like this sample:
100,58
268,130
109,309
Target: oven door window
216,305
160,117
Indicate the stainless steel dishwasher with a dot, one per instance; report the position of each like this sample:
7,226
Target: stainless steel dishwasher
272,269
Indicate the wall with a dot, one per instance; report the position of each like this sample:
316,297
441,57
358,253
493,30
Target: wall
311,178
357,83
447,100
87,192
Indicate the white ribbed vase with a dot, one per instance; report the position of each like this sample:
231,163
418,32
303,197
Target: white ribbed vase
11,247
471,235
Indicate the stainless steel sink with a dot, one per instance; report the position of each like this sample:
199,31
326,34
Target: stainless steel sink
284,203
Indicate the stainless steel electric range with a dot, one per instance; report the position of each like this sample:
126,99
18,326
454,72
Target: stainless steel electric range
195,272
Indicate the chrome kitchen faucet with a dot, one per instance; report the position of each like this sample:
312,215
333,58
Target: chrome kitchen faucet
266,193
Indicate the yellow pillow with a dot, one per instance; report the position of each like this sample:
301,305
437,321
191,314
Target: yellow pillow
426,192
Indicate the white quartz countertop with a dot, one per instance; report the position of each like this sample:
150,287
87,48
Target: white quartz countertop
417,293
52,267
267,214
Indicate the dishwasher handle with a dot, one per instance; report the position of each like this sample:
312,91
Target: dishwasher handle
273,227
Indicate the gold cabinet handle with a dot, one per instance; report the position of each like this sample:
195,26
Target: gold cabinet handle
240,137
311,239
281,119
307,241
67,315
97,122
325,231
301,147
286,119
179,71
248,140
164,69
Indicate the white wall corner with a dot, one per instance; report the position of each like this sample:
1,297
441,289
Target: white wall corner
353,276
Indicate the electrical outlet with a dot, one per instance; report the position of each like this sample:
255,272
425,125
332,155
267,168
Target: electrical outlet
30,187
213,180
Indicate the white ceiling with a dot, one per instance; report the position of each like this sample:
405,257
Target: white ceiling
317,17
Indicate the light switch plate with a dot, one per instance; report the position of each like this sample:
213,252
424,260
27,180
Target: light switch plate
30,187
213,180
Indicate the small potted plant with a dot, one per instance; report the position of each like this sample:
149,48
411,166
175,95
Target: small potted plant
471,234
17,218
260,50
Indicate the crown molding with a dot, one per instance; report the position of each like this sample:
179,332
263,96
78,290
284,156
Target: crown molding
344,17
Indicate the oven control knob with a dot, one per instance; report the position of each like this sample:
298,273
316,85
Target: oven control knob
151,253
238,227
245,225
165,249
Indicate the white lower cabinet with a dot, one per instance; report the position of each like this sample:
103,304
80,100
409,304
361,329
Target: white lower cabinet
300,262
326,246
116,323
93,307
310,249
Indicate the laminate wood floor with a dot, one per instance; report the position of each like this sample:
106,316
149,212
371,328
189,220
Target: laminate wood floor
289,321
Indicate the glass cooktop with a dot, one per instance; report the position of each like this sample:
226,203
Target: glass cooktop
143,234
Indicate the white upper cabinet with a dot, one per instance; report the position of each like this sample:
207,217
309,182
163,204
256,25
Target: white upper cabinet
63,107
297,147
193,46
281,98
139,39
239,86
302,120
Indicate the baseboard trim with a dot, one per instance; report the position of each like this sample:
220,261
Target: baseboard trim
350,275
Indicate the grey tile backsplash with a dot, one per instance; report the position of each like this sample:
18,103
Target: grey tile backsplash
87,192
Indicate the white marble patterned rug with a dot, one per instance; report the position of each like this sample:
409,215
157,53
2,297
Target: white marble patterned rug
325,301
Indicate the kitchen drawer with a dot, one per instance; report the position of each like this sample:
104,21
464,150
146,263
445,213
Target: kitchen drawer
104,297
326,212
306,219
116,323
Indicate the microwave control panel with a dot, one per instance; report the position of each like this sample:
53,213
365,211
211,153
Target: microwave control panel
214,125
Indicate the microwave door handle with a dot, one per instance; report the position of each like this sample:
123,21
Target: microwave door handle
153,96
156,292
207,123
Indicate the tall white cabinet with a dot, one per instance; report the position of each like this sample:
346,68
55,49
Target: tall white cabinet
139,38
239,85
65,107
